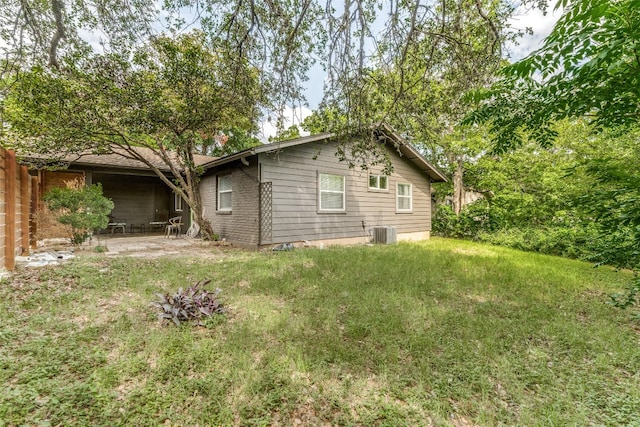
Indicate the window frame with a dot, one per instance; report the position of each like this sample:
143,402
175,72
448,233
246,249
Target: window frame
219,208
399,196
343,192
378,187
177,202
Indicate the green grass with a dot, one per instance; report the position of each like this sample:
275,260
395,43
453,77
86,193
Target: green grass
438,333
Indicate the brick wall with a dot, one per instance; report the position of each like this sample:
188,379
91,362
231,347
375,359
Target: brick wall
48,226
240,225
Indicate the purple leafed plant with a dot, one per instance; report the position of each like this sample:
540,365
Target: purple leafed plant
191,304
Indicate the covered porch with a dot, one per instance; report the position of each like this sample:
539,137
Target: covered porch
143,204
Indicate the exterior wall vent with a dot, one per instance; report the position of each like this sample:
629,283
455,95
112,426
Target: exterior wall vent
384,235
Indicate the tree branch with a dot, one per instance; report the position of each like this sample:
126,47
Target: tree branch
496,33
57,7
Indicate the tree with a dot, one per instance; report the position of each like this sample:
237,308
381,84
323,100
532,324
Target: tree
231,140
291,132
83,207
589,66
171,96
420,89
38,31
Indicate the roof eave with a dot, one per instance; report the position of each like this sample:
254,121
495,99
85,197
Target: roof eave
415,157
266,148
407,150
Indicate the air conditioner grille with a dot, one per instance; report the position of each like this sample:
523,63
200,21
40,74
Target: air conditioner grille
384,235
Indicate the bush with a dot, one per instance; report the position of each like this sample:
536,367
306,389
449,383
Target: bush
191,304
584,242
563,235
474,219
82,207
568,242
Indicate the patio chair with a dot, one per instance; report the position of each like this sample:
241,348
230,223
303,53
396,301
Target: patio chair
117,223
174,226
159,221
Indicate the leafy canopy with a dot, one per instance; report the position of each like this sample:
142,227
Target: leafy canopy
589,66
173,97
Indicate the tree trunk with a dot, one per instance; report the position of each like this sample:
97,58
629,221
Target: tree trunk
458,187
206,230
457,181
205,226
185,182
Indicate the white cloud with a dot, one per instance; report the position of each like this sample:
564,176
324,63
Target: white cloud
540,24
291,116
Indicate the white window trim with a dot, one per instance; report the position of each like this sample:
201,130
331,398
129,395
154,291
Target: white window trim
378,188
320,191
410,197
220,209
177,202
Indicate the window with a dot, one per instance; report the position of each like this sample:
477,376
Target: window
331,198
378,182
177,202
403,198
224,193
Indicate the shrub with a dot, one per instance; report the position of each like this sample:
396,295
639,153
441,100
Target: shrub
474,219
82,207
191,304
563,234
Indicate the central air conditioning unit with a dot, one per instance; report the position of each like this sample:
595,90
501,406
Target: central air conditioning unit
384,235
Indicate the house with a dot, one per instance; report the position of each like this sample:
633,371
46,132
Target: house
139,195
290,191
298,190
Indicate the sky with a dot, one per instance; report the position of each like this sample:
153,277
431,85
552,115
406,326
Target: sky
541,25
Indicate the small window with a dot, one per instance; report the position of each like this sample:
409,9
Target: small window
404,198
331,198
177,202
378,182
224,193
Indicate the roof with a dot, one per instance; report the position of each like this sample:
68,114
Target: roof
406,150
114,160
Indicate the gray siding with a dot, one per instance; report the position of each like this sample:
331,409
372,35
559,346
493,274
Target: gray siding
294,174
241,224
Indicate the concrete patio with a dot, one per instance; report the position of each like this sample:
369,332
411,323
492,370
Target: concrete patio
143,246
149,245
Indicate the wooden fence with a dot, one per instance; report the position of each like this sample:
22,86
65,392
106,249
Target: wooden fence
15,209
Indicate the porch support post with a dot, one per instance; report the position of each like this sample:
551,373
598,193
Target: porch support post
33,218
25,201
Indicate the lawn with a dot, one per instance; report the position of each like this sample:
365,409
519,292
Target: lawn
435,333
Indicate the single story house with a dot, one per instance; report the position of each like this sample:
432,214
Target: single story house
298,190
285,192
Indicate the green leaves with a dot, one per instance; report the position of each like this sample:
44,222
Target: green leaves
588,67
83,207
173,95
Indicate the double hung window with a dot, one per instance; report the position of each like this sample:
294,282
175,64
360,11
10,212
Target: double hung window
331,196
224,193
